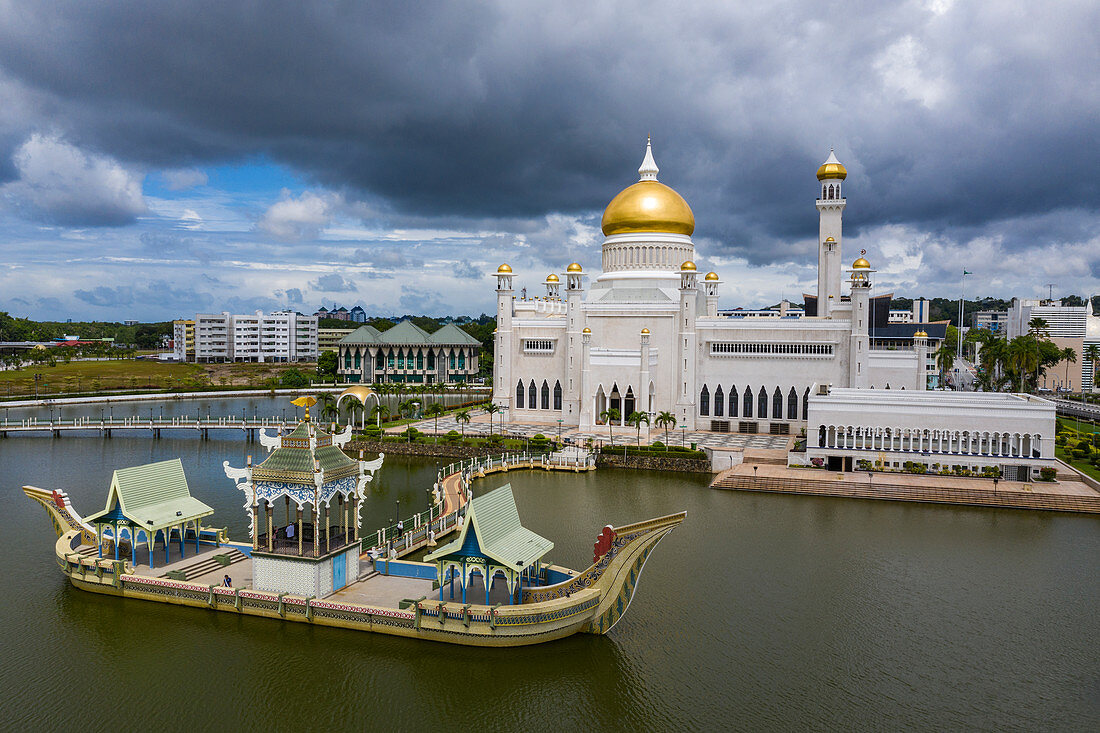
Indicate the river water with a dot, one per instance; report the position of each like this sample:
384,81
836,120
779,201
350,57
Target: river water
760,612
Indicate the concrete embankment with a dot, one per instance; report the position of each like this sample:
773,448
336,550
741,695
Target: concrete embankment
925,489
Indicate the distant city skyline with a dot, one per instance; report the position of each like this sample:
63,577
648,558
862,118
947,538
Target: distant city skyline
395,155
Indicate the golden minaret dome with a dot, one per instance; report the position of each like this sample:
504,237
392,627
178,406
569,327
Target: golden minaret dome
645,331
575,267
587,330
505,268
711,277
861,264
687,266
648,205
551,278
832,168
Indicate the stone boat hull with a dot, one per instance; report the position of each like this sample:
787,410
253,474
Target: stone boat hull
592,601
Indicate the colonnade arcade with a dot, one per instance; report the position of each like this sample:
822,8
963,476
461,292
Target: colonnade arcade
625,401
959,442
532,397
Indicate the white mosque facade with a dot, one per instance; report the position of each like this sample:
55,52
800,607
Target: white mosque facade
645,334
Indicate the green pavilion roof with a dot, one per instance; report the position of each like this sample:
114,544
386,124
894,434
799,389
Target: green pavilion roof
494,521
405,332
292,461
451,334
153,496
362,335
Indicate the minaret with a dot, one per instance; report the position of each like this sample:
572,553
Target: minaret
920,345
574,321
587,407
643,374
859,347
710,290
502,384
685,346
830,207
553,285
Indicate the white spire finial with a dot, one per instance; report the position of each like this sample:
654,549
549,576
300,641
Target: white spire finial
648,170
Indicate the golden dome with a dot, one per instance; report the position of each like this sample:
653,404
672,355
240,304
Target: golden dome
861,264
551,278
587,330
359,391
920,335
687,266
504,269
829,239
832,168
575,267
645,331
711,277
648,206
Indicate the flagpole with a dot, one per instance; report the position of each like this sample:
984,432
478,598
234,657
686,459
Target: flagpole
959,352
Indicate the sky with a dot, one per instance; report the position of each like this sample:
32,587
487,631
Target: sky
163,159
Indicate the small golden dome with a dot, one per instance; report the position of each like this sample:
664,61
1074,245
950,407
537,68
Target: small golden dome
832,168
687,266
830,239
575,267
861,264
587,330
920,335
551,278
645,331
711,277
504,269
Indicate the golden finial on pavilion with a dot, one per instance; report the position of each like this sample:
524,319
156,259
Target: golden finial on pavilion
307,402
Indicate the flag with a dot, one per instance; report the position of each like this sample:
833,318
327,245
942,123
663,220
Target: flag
967,272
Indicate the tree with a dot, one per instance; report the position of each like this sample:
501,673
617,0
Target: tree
610,415
326,365
378,413
1069,356
406,408
434,410
637,419
327,402
294,379
491,409
666,420
1038,326
462,417
946,354
354,407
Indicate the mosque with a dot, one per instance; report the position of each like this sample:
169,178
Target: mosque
645,333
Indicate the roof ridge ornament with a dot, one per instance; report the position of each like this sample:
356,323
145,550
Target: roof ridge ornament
648,170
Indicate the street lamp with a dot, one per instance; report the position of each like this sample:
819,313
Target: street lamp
559,431
754,475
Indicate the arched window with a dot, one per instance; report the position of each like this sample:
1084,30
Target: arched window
358,360
821,437
557,395
792,405
545,395
806,405
420,360
762,403
431,360
719,401
519,394
746,404
704,401
347,360
389,359
532,396
380,361
777,404
733,401
462,360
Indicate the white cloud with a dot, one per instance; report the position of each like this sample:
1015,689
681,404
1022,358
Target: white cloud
60,183
298,218
903,66
181,179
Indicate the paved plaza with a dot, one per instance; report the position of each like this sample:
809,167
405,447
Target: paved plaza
479,425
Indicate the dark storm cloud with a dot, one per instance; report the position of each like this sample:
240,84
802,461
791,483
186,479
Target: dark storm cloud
947,114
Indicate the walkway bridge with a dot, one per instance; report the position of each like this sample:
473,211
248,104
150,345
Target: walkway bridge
99,427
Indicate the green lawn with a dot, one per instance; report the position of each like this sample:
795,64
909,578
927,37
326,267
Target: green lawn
1083,466
89,376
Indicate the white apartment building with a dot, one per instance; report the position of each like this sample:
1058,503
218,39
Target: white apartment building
255,337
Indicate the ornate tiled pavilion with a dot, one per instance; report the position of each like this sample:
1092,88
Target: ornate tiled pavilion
492,542
314,553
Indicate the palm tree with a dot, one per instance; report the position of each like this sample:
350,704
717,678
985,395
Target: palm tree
378,413
1038,326
328,407
462,417
637,419
434,410
406,407
1069,355
491,409
945,357
610,414
353,408
1092,353
666,420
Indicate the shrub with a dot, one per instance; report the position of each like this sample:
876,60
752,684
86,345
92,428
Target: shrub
372,431
657,445
453,436
1047,473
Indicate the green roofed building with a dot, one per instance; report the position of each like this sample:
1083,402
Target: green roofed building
408,354
146,504
492,543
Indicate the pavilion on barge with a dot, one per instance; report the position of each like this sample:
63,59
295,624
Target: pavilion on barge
318,554
147,503
492,543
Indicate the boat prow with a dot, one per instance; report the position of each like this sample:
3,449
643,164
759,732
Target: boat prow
618,560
